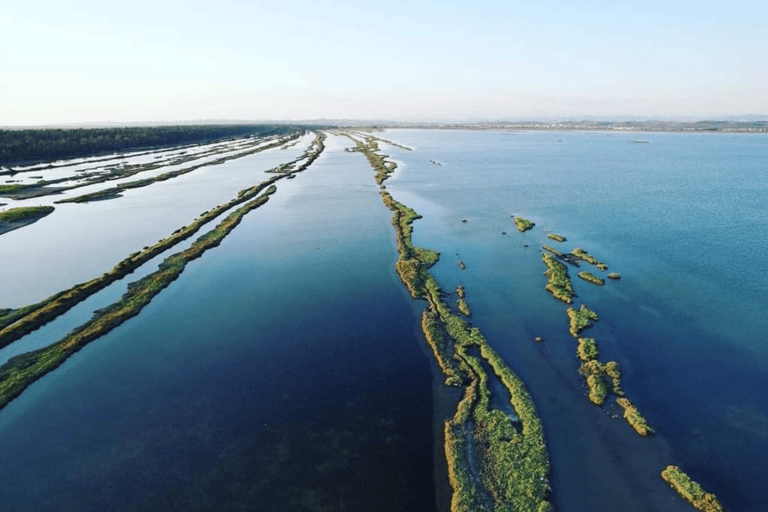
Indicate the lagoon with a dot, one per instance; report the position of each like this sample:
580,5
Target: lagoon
286,367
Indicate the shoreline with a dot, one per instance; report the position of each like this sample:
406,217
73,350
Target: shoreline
504,467
22,370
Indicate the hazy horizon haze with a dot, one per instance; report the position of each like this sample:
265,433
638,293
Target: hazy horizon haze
94,62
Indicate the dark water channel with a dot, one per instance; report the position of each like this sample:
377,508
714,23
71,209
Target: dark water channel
282,371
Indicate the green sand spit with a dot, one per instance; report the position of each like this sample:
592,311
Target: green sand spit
494,462
690,490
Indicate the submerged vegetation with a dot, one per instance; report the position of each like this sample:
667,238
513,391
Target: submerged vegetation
690,490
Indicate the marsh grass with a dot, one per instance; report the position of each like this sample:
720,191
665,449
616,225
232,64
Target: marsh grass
491,464
16,323
523,224
634,418
558,282
20,371
24,213
115,191
690,490
556,237
552,250
587,276
584,255
462,306
580,319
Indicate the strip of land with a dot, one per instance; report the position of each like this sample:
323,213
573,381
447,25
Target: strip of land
16,218
495,462
16,323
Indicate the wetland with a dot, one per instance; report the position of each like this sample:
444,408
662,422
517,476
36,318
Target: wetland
317,350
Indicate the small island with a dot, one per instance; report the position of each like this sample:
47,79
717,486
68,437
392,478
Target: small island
16,218
556,237
690,490
587,276
523,225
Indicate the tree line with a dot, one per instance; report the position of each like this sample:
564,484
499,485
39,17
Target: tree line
39,145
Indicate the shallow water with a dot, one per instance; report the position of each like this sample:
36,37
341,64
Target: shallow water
284,369
677,218
281,371
78,242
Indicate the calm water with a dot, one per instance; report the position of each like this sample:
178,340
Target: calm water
681,218
78,242
284,370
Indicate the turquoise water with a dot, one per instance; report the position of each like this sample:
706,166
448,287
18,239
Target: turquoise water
682,219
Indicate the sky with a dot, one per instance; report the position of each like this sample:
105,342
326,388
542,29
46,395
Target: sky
86,61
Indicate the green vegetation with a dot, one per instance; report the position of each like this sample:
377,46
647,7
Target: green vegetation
20,371
441,347
462,305
523,224
115,191
634,418
379,163
584,255
460,291
597,374
10,189
16,323
27,146
491,465
614,275
558,282
557,238
591,278
690,490
552,250
587,350
580,319
24,213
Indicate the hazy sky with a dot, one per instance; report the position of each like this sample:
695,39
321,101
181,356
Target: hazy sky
170,60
